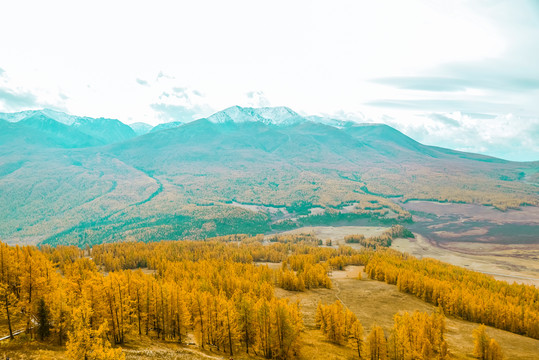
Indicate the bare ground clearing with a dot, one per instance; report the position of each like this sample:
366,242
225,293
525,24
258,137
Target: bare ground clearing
511,263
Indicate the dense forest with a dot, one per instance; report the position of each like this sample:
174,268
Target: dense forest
221,293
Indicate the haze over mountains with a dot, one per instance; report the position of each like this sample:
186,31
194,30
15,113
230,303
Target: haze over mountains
68,179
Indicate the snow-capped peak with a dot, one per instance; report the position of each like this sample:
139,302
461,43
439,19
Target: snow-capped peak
55,115
267,115
58,116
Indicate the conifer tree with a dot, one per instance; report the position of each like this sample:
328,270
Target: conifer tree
246,318
486,348
494,350
481,342
356,336
43,319
8,302
376,344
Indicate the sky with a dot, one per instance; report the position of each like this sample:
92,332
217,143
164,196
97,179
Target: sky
458,74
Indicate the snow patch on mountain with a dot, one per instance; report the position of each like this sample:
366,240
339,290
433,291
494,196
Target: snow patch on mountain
281,116
58,116
278,116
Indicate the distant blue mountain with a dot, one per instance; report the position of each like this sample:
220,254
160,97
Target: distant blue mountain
141,128
70,130
66,179
165,126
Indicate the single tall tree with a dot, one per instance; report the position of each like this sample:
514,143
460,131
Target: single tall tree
43,319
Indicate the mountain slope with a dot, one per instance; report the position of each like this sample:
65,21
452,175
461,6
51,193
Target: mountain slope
194,179
40,130
59,116
141,128
107,131
102,131
164,126
280,116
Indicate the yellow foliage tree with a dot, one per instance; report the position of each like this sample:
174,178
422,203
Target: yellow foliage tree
86,343
376,344
486,348
356,337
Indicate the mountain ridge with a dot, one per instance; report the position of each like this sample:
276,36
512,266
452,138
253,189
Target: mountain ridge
99,131
184,181
109,131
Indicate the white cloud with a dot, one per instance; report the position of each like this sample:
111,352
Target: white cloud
504,136
313,56
142,82
257,99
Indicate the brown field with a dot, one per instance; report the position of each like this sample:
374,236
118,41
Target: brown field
450,223
475,212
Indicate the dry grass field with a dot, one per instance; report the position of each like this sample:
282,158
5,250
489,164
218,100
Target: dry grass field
508,262
374,301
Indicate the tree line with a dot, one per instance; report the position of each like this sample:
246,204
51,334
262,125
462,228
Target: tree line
383,240
460,292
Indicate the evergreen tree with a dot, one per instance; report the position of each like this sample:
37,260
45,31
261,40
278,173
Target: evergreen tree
43,319
486,348
356,335
494,350
481,342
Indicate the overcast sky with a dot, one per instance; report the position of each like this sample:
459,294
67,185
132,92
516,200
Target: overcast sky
459,74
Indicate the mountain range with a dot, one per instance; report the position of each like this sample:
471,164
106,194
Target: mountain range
68,130
75,180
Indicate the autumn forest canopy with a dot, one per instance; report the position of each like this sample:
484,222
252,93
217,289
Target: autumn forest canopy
221,294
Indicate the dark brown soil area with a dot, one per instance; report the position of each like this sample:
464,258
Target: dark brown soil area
449,222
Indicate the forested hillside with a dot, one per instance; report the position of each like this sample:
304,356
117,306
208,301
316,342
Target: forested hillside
242,170
221,294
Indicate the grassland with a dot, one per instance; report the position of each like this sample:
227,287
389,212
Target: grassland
374,301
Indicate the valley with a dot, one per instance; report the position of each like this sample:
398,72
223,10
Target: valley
269,180
241,170
259,212
376,302
504,244
504,262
